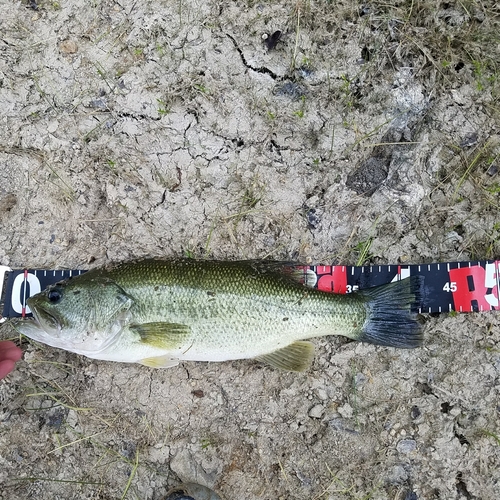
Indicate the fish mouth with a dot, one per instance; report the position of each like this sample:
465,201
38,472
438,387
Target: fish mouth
31,328
46,321
42,327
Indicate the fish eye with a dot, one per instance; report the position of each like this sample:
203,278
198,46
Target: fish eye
54,296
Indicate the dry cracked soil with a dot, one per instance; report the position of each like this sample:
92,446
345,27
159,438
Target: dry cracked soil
311,130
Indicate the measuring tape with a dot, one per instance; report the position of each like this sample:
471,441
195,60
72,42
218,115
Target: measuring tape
451,286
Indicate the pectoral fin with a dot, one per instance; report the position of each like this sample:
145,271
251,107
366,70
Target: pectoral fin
159,362
162,335
296,357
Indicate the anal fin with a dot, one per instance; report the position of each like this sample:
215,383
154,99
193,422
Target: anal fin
159,362
296,357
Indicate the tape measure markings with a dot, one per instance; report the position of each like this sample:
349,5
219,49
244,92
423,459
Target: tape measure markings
451,286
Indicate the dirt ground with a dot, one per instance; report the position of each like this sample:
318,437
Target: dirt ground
363,132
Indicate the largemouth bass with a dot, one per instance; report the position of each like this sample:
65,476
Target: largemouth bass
159,313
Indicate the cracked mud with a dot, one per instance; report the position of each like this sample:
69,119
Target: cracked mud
359,133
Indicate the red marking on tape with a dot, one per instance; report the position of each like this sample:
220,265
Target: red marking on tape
332,278
23,308
475,288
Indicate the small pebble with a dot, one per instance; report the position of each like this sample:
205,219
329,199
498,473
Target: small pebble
346,410
322,394
397,475
411,495
91,370
469,140
415,412
406,446
68,47
316,411
492,170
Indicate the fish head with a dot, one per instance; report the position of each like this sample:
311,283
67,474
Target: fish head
79,315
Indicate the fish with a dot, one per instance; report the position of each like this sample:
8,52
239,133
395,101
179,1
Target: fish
163,312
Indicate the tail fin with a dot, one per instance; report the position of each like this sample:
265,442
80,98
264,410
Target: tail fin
390,321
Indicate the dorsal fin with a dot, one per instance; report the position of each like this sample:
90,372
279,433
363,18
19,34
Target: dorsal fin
299,274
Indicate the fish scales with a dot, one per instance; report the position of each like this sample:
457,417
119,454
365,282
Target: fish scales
228,302
160,312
